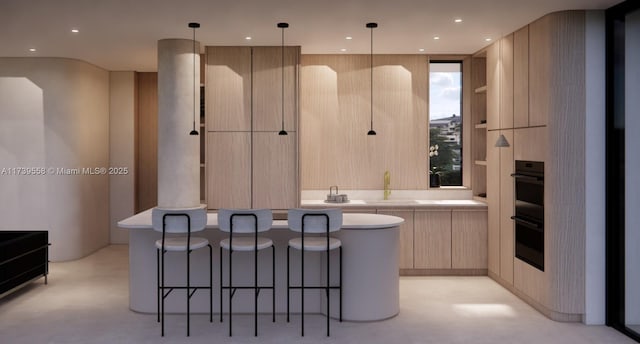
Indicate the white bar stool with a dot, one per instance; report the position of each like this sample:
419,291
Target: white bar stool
307,221
237,221
180,221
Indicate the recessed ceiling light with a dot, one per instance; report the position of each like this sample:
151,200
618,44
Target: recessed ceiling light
436,37
75,30
488,39
421,49
32,49
348,37
458,20
248,38
343,49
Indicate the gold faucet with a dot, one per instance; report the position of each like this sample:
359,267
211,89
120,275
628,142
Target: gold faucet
387,181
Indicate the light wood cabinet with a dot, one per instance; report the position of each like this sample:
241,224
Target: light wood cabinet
506,82
468,239
540,69
267,86
432,239
549,100
248,164
228,170
146,141
405,259
521,78
228,89
530,144
506,205
275,176
493,201
493,86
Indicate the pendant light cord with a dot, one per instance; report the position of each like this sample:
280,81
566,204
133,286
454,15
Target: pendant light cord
371,71
282,77
194,78
282,26
195,108
371,26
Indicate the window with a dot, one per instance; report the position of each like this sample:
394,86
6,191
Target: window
445,122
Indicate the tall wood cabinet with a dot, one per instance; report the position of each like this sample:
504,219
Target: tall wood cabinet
248,164
536,98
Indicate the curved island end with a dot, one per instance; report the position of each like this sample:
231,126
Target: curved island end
370,284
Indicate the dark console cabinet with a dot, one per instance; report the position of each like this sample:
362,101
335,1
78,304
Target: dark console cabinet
24,257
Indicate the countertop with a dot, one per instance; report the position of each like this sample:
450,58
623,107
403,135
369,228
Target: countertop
398,203
349,221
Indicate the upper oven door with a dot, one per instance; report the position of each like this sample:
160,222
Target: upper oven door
529,189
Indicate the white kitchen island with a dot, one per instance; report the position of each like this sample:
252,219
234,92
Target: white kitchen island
370,269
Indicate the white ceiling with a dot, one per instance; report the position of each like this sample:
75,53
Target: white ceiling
122,34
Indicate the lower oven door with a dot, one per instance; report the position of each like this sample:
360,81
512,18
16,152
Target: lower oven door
529,242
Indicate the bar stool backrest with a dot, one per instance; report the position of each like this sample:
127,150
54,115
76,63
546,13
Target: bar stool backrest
315,224
243,223
178,224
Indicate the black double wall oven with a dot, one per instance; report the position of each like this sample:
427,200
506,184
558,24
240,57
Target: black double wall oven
529,212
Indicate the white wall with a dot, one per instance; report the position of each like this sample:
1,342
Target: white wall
121,151
54,113
595,168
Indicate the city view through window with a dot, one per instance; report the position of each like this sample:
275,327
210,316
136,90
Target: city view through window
445,123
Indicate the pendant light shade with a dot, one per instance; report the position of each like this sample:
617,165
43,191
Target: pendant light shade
194,26
502,141
371,26
282,26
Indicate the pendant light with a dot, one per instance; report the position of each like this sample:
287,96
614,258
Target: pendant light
371,26
502,141
194,26
282,26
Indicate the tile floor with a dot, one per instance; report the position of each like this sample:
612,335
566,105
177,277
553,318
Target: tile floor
86,301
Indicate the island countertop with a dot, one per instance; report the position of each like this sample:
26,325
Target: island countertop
349,221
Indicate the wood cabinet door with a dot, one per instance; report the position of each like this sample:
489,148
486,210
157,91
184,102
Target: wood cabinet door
228,170
530,144
275,177
468,239
267,88
228,88
506,82
405,259
493,86
432,239
506,204
493,201
521,78
146,141
540,68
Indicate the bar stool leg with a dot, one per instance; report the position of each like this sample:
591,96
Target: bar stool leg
327,289
188,289
210,283
158,282
340,289
288,282
255,289
162,289
302,286
273,283
221,288
230,288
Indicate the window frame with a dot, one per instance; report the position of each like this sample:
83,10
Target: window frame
465,61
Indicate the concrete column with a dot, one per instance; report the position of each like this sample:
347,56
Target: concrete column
178,152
